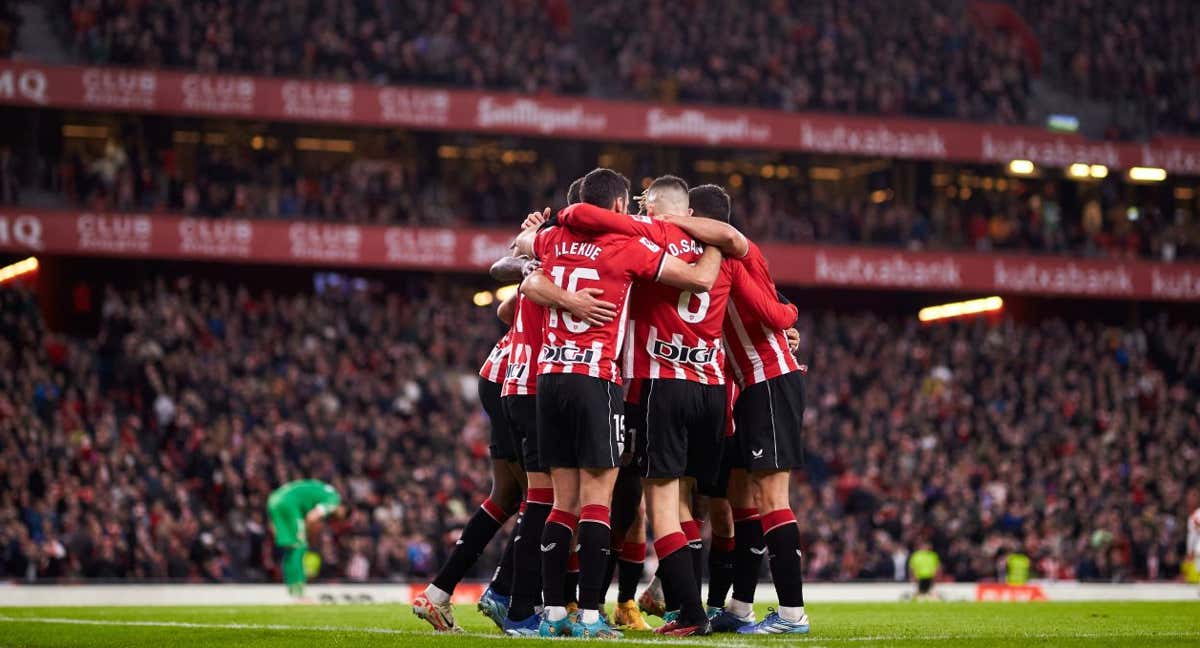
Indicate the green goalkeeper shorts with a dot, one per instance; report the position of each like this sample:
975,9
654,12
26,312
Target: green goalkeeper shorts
287,522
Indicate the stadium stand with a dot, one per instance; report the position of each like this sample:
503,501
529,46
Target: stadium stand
942,58
146,449
128,174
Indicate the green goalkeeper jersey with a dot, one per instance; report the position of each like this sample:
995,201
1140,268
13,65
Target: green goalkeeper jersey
290,503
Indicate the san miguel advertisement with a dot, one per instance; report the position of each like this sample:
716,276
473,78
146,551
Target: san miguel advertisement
308,243
270,98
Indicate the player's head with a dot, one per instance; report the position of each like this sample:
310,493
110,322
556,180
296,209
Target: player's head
573,191
339,513
667,195
605,188
710,201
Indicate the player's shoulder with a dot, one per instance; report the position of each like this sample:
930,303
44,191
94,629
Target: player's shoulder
753,252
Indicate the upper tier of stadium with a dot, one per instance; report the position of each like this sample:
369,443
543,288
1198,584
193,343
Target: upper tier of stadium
1129,67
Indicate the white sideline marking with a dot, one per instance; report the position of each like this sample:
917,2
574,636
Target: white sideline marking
644,642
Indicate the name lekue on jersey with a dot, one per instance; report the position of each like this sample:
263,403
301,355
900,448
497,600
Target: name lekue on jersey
587,250
591,251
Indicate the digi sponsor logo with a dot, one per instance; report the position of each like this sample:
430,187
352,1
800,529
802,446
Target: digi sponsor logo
221,238
534,115
122,89
684,354
414,107
325,242
30,85
115,233
420,247
318,100
567,355
516,371
697,125
22,231
218,94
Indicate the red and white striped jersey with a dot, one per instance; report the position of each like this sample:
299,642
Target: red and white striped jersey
673,333
574,261
754,324
525,344
497,361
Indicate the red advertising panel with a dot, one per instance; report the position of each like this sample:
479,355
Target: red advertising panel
271,98
308,243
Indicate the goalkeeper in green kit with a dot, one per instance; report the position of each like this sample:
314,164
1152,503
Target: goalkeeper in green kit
293,508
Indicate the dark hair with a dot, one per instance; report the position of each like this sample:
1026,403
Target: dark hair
573,191
710,201
602,187
662,182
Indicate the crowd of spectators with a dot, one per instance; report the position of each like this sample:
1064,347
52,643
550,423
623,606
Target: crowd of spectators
147,450
1141,59
523,45
940,58
404,189
920,58
866,57
10,25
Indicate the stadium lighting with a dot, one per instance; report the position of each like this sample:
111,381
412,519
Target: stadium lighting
1021,167
483,298
1079,170
959,309
1147,174
18,269
504,292
1099,171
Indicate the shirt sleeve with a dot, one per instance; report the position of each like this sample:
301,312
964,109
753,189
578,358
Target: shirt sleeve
591,219
542,241
759,299
643,258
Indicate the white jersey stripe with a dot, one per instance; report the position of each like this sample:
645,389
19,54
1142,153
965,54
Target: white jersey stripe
773,340
677,340
744,338
594,365
655,367
629,350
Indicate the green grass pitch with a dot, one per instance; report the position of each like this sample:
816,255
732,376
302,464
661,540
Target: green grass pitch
834,624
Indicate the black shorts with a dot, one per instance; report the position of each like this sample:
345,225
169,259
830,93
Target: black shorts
924,585
627,498
680,430
770,421
579,421
521,413
503,446
730,458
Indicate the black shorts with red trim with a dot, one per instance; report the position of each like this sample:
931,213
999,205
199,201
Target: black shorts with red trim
579,421
680,430
502,445
521,413
770,424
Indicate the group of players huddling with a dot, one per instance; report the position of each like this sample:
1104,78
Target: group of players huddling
610,396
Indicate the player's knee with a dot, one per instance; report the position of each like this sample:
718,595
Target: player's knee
720,516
